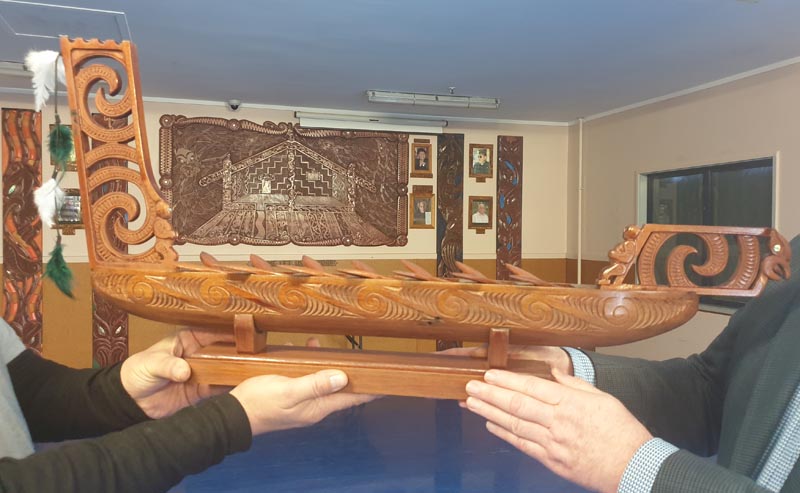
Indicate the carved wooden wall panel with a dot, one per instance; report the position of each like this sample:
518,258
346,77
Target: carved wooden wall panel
22,228
450,213
109,323
450,190
509,203
232,181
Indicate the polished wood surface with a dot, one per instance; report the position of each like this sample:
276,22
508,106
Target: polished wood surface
370,372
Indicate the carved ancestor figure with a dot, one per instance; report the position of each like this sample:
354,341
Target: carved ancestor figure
622,258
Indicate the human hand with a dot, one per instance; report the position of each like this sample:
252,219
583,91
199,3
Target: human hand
157,378
274,403
552,355
567,425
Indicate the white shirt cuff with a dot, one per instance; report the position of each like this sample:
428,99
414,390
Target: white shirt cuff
643,468
582,366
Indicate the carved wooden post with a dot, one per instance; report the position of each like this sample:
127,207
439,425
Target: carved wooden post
22,228
450,213
509,203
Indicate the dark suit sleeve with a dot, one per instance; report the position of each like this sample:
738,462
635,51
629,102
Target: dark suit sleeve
61,403
678,400
684,472
151,456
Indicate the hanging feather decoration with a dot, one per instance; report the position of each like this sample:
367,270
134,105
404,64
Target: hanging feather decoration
60,144
57,269
48,69
48,199
43,65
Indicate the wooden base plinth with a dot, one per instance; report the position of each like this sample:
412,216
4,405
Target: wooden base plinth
369,372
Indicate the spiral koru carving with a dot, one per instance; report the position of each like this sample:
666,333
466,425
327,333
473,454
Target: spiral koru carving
87,69
641,247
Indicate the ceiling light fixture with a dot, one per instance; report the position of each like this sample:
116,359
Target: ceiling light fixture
377,123
417,99
14,69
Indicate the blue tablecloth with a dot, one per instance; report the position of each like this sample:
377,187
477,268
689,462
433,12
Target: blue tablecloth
389,445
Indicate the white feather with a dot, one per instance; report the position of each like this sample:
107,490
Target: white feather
43,66
48,199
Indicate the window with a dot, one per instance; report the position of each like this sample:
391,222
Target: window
732,194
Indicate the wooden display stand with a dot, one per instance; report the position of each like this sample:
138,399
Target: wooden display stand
369,372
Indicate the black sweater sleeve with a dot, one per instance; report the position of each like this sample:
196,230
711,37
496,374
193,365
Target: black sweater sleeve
61,403
151,456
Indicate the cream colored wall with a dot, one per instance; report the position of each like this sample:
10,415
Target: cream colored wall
544,151
749,118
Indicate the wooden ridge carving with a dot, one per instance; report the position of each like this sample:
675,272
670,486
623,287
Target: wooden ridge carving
426,308
22,228
250,300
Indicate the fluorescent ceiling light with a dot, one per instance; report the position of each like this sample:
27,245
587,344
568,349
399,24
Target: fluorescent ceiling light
376,123
416,99
14,69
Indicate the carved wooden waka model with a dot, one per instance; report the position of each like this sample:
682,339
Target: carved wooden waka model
250,300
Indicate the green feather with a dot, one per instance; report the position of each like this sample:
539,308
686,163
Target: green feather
60,145
58,270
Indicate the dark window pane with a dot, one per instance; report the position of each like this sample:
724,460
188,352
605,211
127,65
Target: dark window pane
677,199
734,194
742,197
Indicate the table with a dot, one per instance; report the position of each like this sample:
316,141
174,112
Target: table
393,444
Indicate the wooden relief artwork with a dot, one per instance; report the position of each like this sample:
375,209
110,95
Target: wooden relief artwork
22,228
109,322
509,203
251,300
450,212
232,181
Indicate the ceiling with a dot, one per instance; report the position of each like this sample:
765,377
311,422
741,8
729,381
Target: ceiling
547,60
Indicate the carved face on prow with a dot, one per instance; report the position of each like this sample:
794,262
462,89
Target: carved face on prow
776,265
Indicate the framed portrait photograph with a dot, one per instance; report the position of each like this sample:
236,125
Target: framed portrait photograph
422,211
480,160
421,166
480,212
72,164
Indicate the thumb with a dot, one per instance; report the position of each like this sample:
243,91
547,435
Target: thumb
572,382
316,385
168,367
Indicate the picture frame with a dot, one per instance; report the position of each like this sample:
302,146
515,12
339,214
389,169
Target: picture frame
478,207
481,161
421,166
69,216
72,163
422,211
